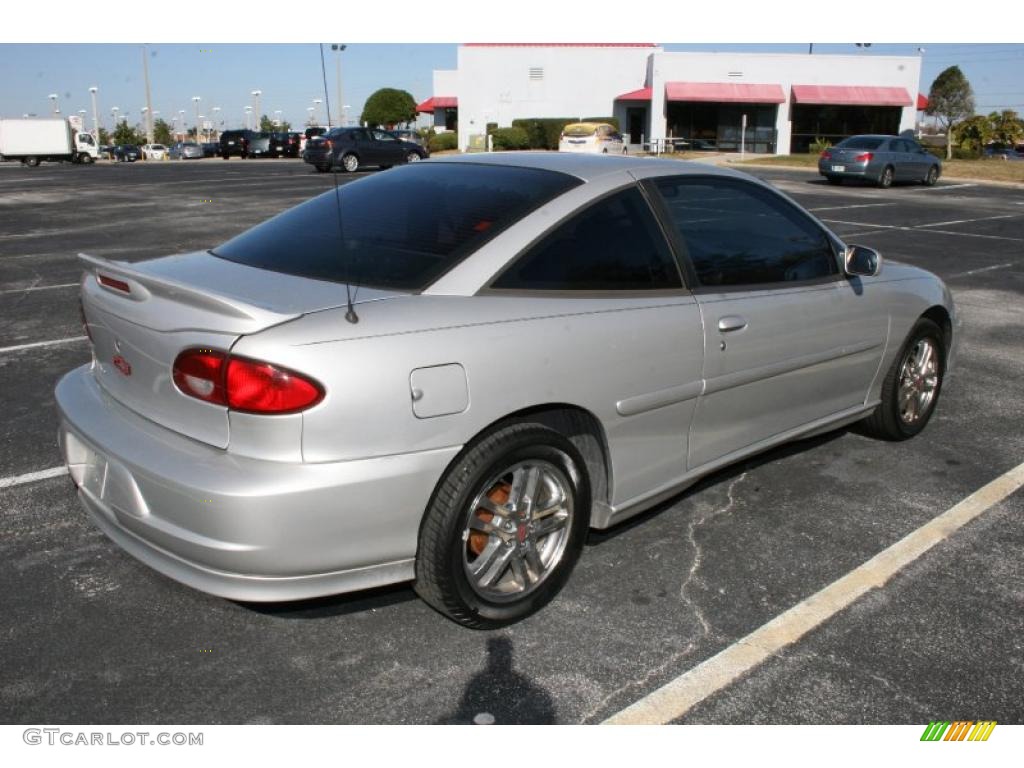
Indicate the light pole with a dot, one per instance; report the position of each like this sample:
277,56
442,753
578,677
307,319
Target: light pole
196,100
181,124
343,118
277,118
248,118
149,100
311,120
95,115
113,114
53,97
338,48
316,105
256,98
203,135
215,116
147,121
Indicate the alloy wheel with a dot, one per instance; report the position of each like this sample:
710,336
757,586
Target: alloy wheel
918,382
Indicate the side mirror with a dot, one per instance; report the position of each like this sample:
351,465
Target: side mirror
862,262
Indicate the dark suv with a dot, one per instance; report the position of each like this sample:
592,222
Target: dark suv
353,148
235,143
285,144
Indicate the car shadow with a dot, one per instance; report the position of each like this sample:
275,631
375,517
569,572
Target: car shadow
724,475
335,605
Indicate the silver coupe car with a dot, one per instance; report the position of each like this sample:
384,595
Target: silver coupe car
448,372
881,160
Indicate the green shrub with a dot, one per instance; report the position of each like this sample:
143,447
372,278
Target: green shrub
962,153
819,145
440,142
510,138
491,128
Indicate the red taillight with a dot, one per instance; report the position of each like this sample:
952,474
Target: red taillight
241,384
328,144
113,282
199,373
864,157
258,387
826,155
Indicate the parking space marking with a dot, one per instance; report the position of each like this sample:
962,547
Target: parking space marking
32,477
37,344
845,207
679,696
971,221
982,269
39,288
918,229
941,187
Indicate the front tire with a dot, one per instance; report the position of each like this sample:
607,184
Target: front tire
504,527
86,159
931,177
350,163
31,162
413,157
911,388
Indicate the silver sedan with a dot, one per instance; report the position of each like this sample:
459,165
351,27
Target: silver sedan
881,160
446,373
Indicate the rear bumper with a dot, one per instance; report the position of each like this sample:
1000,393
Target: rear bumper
242,528
859,171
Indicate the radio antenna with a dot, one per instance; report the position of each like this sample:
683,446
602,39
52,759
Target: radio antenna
350,313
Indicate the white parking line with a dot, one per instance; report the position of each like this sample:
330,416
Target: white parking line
844,207
982,269
941,187
39,288
31,477
676,698
872,225
971,221
36,344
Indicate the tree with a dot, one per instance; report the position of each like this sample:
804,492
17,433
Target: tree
162,132
127,134
104,136
269,126
1007,127
975,132
950,100
388,107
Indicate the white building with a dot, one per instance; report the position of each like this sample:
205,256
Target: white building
787,100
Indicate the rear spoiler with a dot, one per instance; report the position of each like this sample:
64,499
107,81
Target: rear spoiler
142,293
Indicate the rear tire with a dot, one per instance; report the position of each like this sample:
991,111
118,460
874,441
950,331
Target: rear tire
911,388
886,176
504,527
31,162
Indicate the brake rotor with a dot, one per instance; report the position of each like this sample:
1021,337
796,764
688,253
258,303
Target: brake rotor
498,495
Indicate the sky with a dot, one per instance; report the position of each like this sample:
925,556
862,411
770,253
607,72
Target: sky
289,75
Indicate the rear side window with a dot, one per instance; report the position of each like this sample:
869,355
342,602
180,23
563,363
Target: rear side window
861,142
614,245
401,229
740,234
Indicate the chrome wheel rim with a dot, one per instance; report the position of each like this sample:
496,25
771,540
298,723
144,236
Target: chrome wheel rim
412,158
351,163
886,177
516,530
919,381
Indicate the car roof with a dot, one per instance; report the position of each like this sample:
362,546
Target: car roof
588,166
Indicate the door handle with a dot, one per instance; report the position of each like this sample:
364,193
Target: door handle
731,323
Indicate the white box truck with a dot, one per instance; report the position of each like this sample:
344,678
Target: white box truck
33,140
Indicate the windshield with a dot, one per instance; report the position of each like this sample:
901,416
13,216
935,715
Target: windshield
399,229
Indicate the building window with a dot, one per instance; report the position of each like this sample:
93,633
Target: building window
536,73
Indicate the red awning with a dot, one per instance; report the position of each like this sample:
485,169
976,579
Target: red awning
437,102
643,94
922,102
757,93
866,95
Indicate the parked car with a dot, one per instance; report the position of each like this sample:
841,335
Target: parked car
107,151
210,149
288,414
258,145
355,148
235,143
187,150
601,138
1004,153
126,153
154,152
882,160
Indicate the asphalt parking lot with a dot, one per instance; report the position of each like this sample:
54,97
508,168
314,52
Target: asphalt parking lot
90,635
